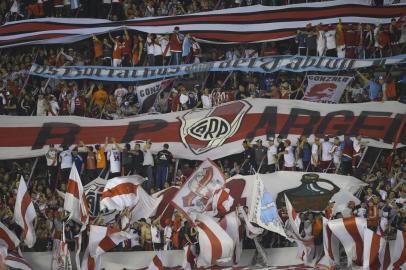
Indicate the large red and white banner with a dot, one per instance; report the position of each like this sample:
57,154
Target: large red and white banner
350,232
376,251
24,214
197,194
245,24
399,251
325,88
209,133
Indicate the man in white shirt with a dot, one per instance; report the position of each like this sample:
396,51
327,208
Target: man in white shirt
114,156
272,155
206,99
336,152
315,154
42,106
358,145
183,98
331,45
166,52
156,236
168,235
66,161
326,156
288,157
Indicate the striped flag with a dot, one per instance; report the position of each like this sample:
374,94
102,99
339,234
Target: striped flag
17,261
24,213
7,238
156,263
293,216
103,239
189,262
89,262
75,199
214,241
376,251
234,25
350,232
222,202
399,251
121,192
232,225
331,245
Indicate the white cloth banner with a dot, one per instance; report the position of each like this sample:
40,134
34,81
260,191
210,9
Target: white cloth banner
324,88
209,133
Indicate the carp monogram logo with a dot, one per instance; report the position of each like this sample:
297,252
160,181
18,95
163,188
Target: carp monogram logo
205,130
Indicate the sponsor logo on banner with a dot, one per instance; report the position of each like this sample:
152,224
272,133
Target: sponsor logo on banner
204,130
327,89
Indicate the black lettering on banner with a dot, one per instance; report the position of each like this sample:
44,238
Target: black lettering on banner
332,63
138,128
66,72
319,62
307,128
240,61
52,71
350,64
252,62
98,72
270,65
338,128
225,64
122,73
88,71
111,72
310,61
393,130
47,132
146,73
142,94
360,123
343,64
77,70
38,69
268,120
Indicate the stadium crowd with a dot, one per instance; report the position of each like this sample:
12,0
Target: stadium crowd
383,200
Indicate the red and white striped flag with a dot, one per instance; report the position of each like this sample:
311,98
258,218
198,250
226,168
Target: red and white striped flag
24,213
232,225
222,201
89,262
350,232
214,241
7,238
121,192
156,263
16,261
189,262
75,199
376,251
103,239
331,245
399,251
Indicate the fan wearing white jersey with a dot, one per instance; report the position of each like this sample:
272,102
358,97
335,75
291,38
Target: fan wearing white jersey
114,156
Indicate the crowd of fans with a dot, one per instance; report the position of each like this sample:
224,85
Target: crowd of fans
382,200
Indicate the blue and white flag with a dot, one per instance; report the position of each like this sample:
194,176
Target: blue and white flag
262,209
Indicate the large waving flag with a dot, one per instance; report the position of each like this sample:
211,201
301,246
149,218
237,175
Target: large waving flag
350,232
197,193
244,24
24,213
7,238
231,223
156,263
399,251
331,245
189,261
222,202
376,251
89,262
263,209
75,199
121,192
103,239
214,242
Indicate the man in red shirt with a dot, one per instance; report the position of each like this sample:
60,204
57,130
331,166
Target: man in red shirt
117,51
127,48
175,44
